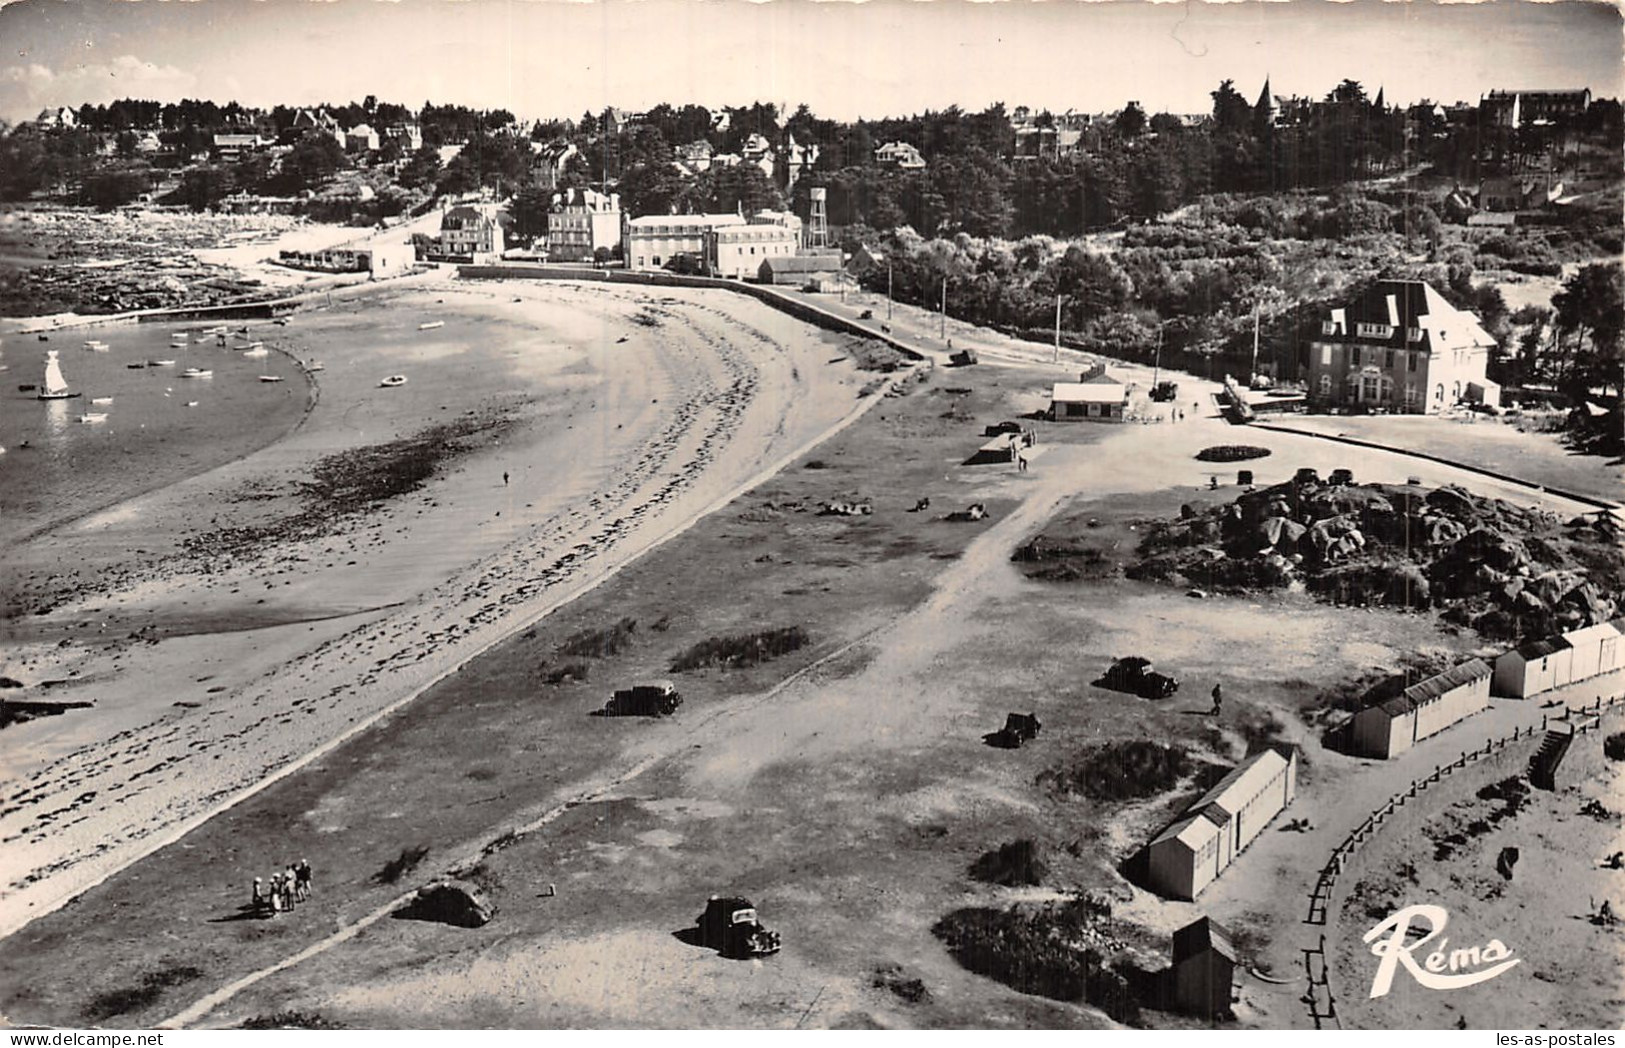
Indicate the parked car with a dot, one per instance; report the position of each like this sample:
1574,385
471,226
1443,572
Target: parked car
1134,675
730,926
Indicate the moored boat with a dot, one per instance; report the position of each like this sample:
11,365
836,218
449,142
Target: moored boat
394,380
270,378
196,373
93,416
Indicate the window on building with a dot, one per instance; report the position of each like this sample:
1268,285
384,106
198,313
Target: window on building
656,261
1438,393
1325,356
1388,359
1354,356
1410,361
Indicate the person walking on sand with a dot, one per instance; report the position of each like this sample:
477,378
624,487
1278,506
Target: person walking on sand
257,900
289,880
1021,463
276,894
301,870
1218,701
504,478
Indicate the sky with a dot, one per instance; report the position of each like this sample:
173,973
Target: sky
541,58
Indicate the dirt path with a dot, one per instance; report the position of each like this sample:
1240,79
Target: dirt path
736,409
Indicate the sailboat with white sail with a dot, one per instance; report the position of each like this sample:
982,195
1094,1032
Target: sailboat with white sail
55,387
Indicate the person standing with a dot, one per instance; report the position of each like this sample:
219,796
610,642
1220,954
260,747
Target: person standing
258,898
1218,701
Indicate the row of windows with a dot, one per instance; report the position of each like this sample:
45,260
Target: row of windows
1359,355
1381,387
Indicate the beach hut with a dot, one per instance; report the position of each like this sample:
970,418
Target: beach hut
1204,970
1612,651
1187,856
1532,668
1442,700
1586,644
1079,401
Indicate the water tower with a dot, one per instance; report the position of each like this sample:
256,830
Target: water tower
818,223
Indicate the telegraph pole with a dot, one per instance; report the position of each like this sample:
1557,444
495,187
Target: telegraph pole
1156,367
888,289
1057,327
943,331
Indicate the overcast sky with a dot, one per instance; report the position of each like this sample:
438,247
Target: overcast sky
882,57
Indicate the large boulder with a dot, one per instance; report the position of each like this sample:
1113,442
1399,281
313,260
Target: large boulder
1436,530
1453,501
1486,546
455,902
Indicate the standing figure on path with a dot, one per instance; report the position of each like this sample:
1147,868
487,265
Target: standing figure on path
1196,405
276,894
301,870
504,478
1218,700
289,880
1021,463
258,898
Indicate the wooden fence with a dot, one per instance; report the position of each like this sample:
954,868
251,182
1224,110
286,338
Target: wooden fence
1319,997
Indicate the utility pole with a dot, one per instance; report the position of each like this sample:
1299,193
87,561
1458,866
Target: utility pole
1057,327
1254,372
1156,367
943,331
888,289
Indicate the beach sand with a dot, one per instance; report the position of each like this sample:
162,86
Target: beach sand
616,417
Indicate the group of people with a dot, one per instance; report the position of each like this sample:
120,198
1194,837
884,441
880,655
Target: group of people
287,887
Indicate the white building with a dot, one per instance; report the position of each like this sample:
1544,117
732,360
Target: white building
471,232
1532,668
1423,710
1400,348
1190,854
580,222
739,251
1587,645
901,155
654,240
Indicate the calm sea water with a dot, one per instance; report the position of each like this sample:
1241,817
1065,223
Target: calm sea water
159,428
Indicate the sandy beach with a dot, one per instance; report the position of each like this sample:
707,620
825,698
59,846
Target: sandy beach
603,419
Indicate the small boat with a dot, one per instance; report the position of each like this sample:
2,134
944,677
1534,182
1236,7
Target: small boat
196,373
136,364
96,345
270,378
257,353
56,387
431,325
254,345
99,401
177,340
315,365
394,380
93,416
221,330
160,363
26,387
191,403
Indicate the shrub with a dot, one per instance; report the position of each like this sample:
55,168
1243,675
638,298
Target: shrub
133,998
1614,746
1033,952
1013,864
1231,453
291,1020
749,649
600,643
1122,770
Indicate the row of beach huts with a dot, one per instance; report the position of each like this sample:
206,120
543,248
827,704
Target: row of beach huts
1187,856
1427,707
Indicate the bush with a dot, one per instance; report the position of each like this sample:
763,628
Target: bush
1614,746
1012,865
1034,952
747,650
600,643
133,998
1232,453
1122,771
291,1020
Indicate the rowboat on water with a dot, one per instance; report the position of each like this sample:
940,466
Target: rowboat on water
431,325
270,378
136,364
93,416
160,363
257,353
196,373
99,401
315,365
394,380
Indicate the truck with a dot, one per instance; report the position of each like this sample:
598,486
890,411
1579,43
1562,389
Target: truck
1165,392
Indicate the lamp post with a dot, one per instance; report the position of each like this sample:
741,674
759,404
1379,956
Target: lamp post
1156,367
942,331
888,289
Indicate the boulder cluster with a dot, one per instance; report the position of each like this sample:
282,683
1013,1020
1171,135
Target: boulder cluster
1506,571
